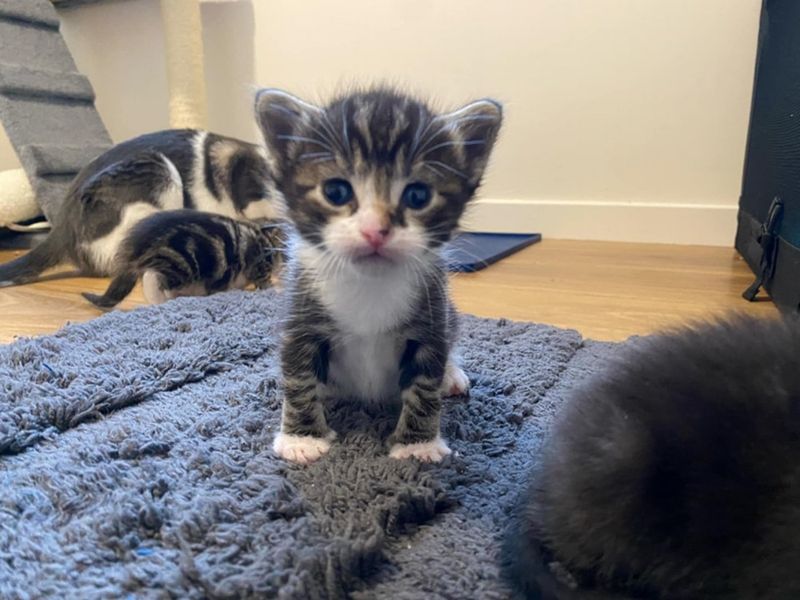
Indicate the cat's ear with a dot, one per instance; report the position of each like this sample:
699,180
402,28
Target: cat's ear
282,118
474,128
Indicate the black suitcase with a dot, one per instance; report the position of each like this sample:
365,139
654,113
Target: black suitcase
768,233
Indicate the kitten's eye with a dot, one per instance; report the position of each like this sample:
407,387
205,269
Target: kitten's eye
338,191
416,196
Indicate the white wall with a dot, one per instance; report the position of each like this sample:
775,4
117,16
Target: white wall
120,47
626,119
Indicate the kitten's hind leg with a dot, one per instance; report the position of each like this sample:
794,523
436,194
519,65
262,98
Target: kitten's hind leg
455,382
152,288
117,290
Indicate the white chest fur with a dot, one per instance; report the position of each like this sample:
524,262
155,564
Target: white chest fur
366,366
368,312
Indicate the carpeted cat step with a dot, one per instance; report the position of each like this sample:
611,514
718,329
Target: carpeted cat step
30,12
46,106
20,81
54,167
47,160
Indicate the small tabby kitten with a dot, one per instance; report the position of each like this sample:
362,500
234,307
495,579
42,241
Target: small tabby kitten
375,184
675,473
172,169
191,253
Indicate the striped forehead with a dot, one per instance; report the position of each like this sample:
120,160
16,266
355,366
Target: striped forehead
378,131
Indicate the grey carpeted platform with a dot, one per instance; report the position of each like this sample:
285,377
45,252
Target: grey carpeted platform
135,462
46,106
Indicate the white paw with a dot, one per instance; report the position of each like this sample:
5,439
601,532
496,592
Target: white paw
433,451
455,382
302,449
151,287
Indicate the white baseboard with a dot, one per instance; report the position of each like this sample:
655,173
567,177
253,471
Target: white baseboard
667,223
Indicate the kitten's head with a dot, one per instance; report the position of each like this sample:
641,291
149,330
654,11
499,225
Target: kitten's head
375,178
263,253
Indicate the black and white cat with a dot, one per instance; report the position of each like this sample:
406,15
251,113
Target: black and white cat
674,473
375,183
170,169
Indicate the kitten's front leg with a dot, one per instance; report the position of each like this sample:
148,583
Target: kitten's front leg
304,436
417,432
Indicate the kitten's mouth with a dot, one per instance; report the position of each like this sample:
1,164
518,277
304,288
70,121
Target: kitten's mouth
372,257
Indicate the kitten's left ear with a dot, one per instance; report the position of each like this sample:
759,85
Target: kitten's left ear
282,118
475,126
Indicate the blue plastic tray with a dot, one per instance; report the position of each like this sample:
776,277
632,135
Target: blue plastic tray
473,251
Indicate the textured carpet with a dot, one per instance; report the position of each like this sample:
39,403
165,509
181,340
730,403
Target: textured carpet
135,462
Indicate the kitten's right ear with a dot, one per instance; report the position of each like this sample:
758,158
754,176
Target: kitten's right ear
282,118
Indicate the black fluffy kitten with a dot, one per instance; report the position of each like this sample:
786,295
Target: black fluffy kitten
674,473
191,253
375,183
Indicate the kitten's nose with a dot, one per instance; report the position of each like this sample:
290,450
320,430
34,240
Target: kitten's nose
376,237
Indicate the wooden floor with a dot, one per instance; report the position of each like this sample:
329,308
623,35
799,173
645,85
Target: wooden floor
605,290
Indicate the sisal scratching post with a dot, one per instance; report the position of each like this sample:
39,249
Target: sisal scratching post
18,202
184,48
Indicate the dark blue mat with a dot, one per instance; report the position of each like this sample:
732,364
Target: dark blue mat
473,251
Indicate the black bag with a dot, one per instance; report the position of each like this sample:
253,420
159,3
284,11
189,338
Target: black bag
768,233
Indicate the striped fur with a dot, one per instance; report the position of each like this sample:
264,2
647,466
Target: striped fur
173,169
189,252
369,311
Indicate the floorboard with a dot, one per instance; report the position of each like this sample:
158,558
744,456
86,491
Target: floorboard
605,290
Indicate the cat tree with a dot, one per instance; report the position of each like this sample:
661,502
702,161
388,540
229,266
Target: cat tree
47,107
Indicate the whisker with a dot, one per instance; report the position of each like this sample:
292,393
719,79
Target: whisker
449,124
448,250
331,130
430,139
346,133
300,138
420,133
473,118
327,157
434,169
452,143
419,275
446,167
309,155
327,134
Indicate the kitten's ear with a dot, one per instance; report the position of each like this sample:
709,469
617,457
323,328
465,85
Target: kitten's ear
281,118
475,127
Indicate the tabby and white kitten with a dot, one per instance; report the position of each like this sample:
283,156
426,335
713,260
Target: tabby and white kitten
180,168
192,253
375,184
673,473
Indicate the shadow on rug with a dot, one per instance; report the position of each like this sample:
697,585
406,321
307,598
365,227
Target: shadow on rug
135,461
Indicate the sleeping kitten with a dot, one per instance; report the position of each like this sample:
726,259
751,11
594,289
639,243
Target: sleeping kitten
191,253
171,169
674,473
375,184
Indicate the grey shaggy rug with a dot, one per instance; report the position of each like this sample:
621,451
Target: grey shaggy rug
135,462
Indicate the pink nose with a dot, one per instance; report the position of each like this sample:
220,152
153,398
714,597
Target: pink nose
375,237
